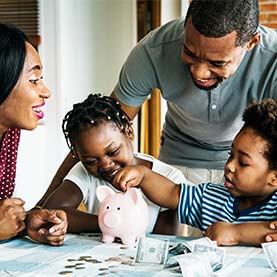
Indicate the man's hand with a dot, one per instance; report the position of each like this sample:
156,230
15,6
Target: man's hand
127,177
12,216
47,226
224,233
272,236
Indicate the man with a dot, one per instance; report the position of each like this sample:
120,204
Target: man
209,67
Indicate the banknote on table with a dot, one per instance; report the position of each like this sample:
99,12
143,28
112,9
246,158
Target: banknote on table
193,264
270,250
151,251
201,241
214,254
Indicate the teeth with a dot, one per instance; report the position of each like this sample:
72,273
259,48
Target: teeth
202,80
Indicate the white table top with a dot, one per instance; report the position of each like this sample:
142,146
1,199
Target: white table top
86,255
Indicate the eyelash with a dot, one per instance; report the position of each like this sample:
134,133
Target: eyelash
217,65
191,55
35,81
188,53
240,162
114,152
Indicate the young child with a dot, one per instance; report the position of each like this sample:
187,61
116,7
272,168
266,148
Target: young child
249,193
100,134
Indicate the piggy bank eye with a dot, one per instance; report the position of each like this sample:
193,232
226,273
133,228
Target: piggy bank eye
107,207
118,208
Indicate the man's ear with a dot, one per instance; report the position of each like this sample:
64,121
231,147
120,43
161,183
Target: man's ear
254,40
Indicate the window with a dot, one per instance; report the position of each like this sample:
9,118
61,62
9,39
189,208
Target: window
24,14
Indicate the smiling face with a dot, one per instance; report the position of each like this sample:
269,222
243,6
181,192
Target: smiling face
246,171
104,150
212,60
22,107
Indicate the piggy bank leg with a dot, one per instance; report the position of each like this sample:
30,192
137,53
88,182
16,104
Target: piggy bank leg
107,238
130,240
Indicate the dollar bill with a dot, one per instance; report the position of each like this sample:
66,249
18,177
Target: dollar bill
201,241
193,264
270,250
151,251
214,254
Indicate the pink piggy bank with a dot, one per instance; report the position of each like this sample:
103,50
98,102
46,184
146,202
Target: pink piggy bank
122,215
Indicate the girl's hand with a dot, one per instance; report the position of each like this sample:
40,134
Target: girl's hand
130,176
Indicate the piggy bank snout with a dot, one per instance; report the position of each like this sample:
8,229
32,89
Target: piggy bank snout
111,219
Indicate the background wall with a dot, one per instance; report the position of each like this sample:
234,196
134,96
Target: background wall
84,44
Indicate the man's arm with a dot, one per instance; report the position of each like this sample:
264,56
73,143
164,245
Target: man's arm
130,111
64,168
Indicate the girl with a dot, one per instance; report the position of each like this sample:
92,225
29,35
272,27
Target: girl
22,96
100,135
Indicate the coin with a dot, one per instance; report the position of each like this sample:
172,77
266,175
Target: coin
103,268
69,266
84,257
116,259
124,247
79,263
94,261
127,262
65,272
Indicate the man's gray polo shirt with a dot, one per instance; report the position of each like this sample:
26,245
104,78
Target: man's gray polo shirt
200,125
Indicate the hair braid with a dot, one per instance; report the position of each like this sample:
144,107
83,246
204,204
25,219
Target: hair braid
93,111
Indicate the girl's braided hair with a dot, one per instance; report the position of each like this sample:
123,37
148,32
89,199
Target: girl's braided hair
93,111
262,118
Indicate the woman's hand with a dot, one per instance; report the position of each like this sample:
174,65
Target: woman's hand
224,233
47,226
12,216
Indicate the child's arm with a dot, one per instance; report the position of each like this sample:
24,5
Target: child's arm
68,197
157,188
253,233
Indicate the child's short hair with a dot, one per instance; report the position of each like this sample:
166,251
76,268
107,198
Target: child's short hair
262,118
94,110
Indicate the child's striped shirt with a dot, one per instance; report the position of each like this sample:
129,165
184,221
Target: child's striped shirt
201,206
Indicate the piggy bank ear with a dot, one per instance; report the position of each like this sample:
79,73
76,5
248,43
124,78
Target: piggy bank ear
134,194
102,192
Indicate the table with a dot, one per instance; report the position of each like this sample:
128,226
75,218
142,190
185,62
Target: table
86,255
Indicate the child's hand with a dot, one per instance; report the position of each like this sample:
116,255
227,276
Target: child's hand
272,236
129,176
224,233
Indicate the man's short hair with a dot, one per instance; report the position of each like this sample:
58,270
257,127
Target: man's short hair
218,18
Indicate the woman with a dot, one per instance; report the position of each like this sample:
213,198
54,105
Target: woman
22,94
